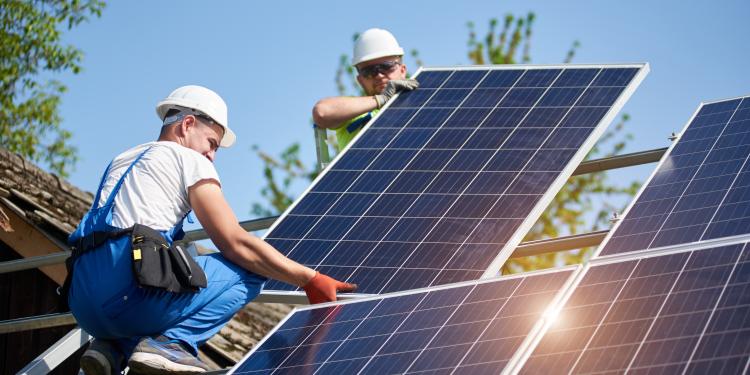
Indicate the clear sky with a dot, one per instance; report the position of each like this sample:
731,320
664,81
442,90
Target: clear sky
272,60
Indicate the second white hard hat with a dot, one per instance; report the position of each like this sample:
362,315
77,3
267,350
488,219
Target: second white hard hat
200,99
374,44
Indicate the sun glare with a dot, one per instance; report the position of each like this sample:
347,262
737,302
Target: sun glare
552,315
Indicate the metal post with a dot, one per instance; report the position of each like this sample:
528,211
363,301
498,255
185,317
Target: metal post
321,147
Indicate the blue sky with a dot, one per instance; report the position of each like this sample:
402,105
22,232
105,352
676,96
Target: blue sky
271,61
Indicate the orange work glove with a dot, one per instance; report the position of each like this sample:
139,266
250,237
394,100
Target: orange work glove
322,288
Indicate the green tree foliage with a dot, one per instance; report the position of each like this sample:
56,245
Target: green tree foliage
567,212
277,191
579,207
30,48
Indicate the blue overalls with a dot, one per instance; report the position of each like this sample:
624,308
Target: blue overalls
108,303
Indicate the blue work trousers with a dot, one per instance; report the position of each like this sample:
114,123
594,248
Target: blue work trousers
108,303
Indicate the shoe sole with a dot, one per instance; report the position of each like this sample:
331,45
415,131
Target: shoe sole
154,364
95,363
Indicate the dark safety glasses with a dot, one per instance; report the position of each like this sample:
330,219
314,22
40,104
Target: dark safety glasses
189,111
385,68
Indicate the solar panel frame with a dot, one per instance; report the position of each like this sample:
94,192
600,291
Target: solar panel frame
567,172
557,303
665,159
537,329
547,196
578,277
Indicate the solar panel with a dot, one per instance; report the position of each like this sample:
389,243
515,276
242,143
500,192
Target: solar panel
446,180
701,189
687,311
474,327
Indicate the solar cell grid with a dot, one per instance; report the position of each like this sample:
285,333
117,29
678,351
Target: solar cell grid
459,329
452,170
701,189
685,312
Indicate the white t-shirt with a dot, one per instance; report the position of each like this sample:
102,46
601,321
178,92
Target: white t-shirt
155,192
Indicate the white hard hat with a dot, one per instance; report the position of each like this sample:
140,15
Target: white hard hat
200,99
374,44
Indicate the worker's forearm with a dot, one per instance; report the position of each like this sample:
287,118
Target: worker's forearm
255,255
334,111
240,247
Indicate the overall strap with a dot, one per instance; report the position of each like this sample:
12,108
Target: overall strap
101,186
358,123
116,189
176,233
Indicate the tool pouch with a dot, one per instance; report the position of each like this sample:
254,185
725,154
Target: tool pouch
158,265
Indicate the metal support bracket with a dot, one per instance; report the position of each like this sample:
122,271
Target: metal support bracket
620,161
57,353
576,241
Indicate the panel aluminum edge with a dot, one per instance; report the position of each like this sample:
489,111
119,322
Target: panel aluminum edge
663,160
364,298
526,351
565,174
542,325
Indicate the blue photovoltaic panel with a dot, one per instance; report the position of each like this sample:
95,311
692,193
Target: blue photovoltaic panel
701,189
687,312
461,329
448,175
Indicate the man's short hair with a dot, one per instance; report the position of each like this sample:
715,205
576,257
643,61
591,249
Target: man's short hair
171,112
178,114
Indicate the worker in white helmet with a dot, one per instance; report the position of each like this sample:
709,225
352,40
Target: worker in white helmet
381,73
139,295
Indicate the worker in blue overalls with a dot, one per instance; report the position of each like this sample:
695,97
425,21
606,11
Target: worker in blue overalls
142,298
381,72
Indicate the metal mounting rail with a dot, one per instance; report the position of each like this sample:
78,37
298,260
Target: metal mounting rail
523,250
57,258
248,225
33,262
620,161
36,322
67,318
576,241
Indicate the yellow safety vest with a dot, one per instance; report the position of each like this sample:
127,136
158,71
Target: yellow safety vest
346,132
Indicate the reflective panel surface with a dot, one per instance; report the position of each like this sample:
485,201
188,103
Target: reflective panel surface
443,179
465,329
682,313
701,190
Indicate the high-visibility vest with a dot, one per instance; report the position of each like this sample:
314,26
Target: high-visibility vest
346,132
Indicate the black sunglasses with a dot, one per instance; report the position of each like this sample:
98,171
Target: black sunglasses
385,68
206,118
